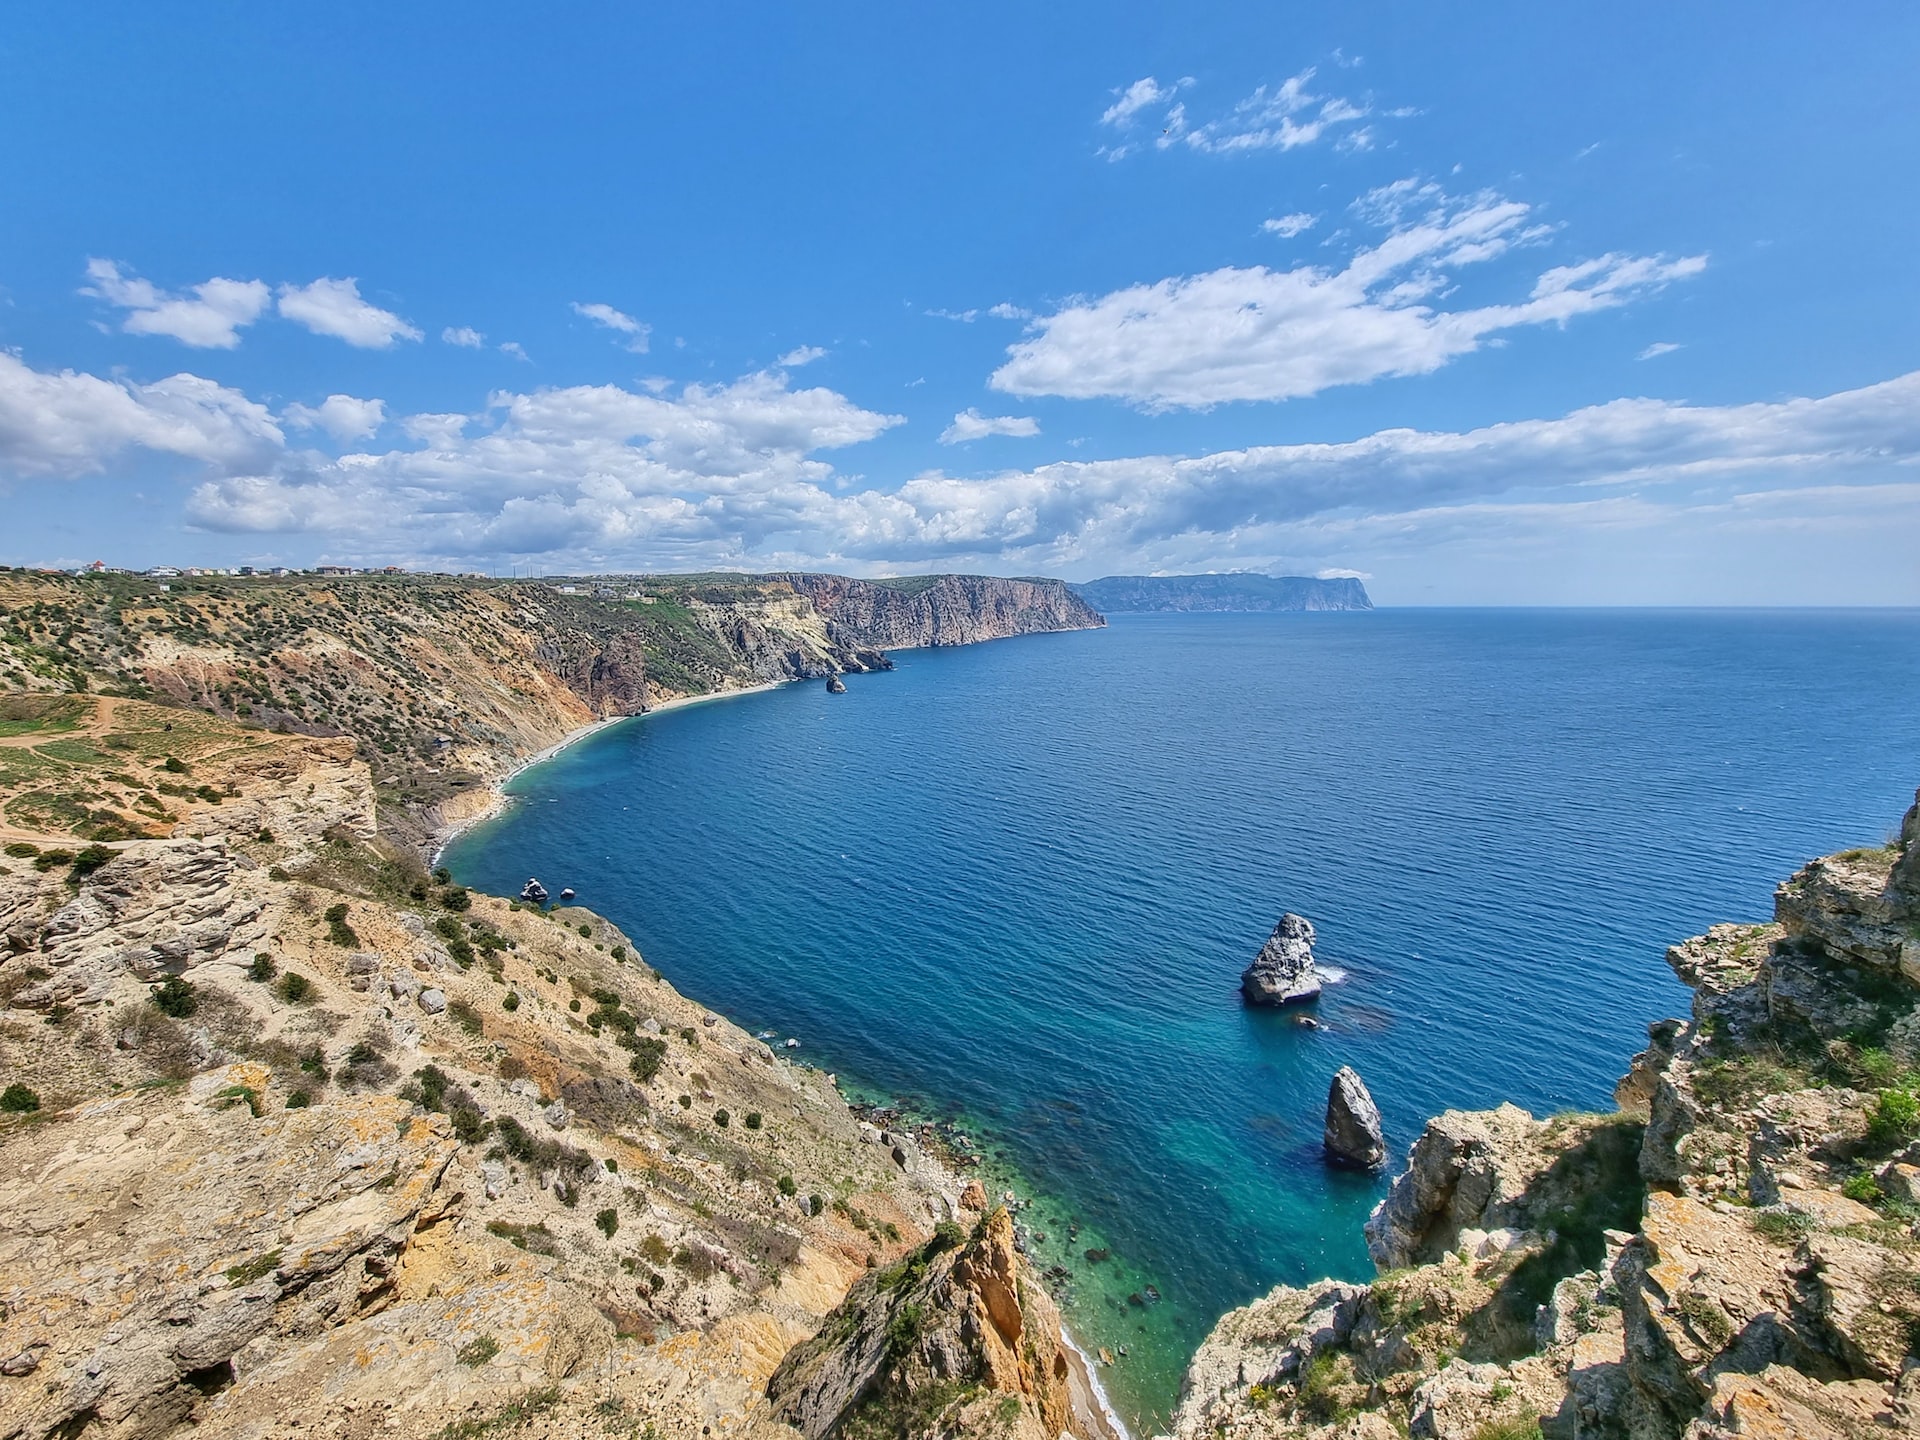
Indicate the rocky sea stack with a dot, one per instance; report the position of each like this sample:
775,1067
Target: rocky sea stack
1353,1133
1283,973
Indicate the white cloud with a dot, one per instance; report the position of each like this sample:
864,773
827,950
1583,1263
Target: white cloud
1657,349
465,336
341,416
618,321
1004,311
970,424
1135,98
738,474
965,317
211,320
801,355
1288,226
70,423
516,350
1281,117
1260,334
334,307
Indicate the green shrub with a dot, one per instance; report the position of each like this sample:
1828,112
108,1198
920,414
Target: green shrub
298,1099
175,997
22,850
648,1053
294,987
754,1120
248,1271
1894,1119
948,1235
608,1221
476,1353
1514,1427
174,765
90,860
262,969
52,859
511,1002
465,1016
456,898
786,1185
1783,1227
17,1099
720,1118
338,930
1864,1188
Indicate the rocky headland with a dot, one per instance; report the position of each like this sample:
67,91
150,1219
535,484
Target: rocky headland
1734,1252
445,684
297,1137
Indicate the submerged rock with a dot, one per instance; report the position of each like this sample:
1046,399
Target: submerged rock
1283,973
1353,1134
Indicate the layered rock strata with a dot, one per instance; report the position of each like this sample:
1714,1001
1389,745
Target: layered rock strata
299,1140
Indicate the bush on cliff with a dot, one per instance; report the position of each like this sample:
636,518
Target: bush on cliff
174,997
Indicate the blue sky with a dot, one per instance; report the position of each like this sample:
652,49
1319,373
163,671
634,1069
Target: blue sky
1492,304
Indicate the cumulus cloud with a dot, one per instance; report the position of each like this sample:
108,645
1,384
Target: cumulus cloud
70,423
1260,334
516,350
741,474
801,355
1004,311
970,424
465,336
211,319
618,321
342,416
334,307
1288,226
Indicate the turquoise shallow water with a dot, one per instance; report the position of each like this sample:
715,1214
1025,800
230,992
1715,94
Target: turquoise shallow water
1017,882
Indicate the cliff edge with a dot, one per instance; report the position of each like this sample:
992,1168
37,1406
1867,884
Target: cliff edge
1735,1252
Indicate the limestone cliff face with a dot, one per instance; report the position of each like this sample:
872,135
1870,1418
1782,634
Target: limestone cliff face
957,1339
1735,1253
445,683
942,609
300,1140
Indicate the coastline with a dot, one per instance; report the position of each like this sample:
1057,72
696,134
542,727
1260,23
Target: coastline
1088,1398
446,833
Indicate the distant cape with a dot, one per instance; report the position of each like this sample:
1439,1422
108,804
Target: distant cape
1240,590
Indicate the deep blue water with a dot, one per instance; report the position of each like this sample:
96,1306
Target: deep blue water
1018,882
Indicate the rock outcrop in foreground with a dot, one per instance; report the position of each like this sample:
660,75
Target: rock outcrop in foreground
1283,973
296,1138
1736,1252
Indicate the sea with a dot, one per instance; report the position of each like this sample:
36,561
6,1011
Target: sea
1012,886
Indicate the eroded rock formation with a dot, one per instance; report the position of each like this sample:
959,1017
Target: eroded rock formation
1736,1252
1283,973
1352,1135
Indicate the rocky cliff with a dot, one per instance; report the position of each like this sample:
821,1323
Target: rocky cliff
1735,1252
443,684
1241,590
296,1138
941,609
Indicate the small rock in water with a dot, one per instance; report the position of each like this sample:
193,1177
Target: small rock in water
1283,972
1353,1134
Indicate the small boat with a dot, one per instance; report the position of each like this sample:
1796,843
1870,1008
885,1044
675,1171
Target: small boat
567,894
533,892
